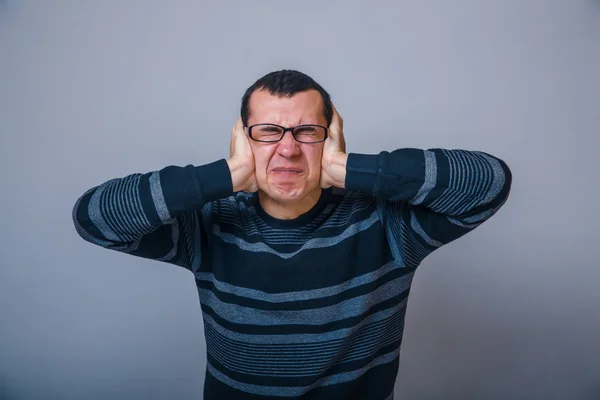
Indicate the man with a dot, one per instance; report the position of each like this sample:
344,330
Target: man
303,255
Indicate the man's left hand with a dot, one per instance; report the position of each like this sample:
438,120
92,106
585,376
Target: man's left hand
333,161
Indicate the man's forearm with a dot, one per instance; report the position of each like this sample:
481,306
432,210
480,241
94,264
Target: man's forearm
457,183
122,210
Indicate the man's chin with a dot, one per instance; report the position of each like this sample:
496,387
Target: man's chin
283,191
286,192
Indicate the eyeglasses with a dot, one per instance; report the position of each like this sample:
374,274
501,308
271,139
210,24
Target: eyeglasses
271,133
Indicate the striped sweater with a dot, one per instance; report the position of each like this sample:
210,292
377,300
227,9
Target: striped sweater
313,307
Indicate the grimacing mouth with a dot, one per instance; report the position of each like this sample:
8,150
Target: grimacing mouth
288,169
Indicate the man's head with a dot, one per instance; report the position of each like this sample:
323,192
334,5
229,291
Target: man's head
287,171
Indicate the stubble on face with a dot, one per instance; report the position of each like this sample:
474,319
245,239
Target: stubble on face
287,171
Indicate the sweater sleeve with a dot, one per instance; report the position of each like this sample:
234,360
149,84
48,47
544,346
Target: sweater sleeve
428,198
152,215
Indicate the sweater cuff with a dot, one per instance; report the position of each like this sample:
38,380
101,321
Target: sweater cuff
215,180
361,172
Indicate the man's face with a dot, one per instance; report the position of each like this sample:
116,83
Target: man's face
287,170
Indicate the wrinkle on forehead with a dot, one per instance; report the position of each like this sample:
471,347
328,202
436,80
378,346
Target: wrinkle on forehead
302,108
288,121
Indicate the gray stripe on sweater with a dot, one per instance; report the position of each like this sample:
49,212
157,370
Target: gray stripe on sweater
311,244
430,178
416,227
314,316
80,230
175,238
498,180
96,215
303,338
304,359
159,198
298,296
291,391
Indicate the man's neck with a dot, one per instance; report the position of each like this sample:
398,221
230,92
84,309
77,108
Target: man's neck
288,209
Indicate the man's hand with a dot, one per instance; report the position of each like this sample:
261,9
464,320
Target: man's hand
241,160
333,161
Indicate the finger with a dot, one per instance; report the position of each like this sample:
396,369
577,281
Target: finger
339,118
335,111
238,128
336,118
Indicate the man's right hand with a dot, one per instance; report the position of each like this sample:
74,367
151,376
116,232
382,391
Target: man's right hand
241,160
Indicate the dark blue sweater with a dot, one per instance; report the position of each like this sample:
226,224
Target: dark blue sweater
313,307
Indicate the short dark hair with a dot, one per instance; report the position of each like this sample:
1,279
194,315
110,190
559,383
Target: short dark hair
286,83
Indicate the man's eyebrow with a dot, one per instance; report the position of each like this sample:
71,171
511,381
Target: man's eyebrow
309,121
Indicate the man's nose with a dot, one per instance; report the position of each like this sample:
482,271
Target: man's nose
288,146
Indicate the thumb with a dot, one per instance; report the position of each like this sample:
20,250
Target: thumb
337,124
239,126
235,133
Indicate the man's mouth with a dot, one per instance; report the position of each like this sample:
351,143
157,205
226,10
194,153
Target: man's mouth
288,170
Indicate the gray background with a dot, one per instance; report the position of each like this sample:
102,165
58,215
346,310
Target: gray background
92,90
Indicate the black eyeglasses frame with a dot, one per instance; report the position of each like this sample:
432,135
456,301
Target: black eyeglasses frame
291,130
